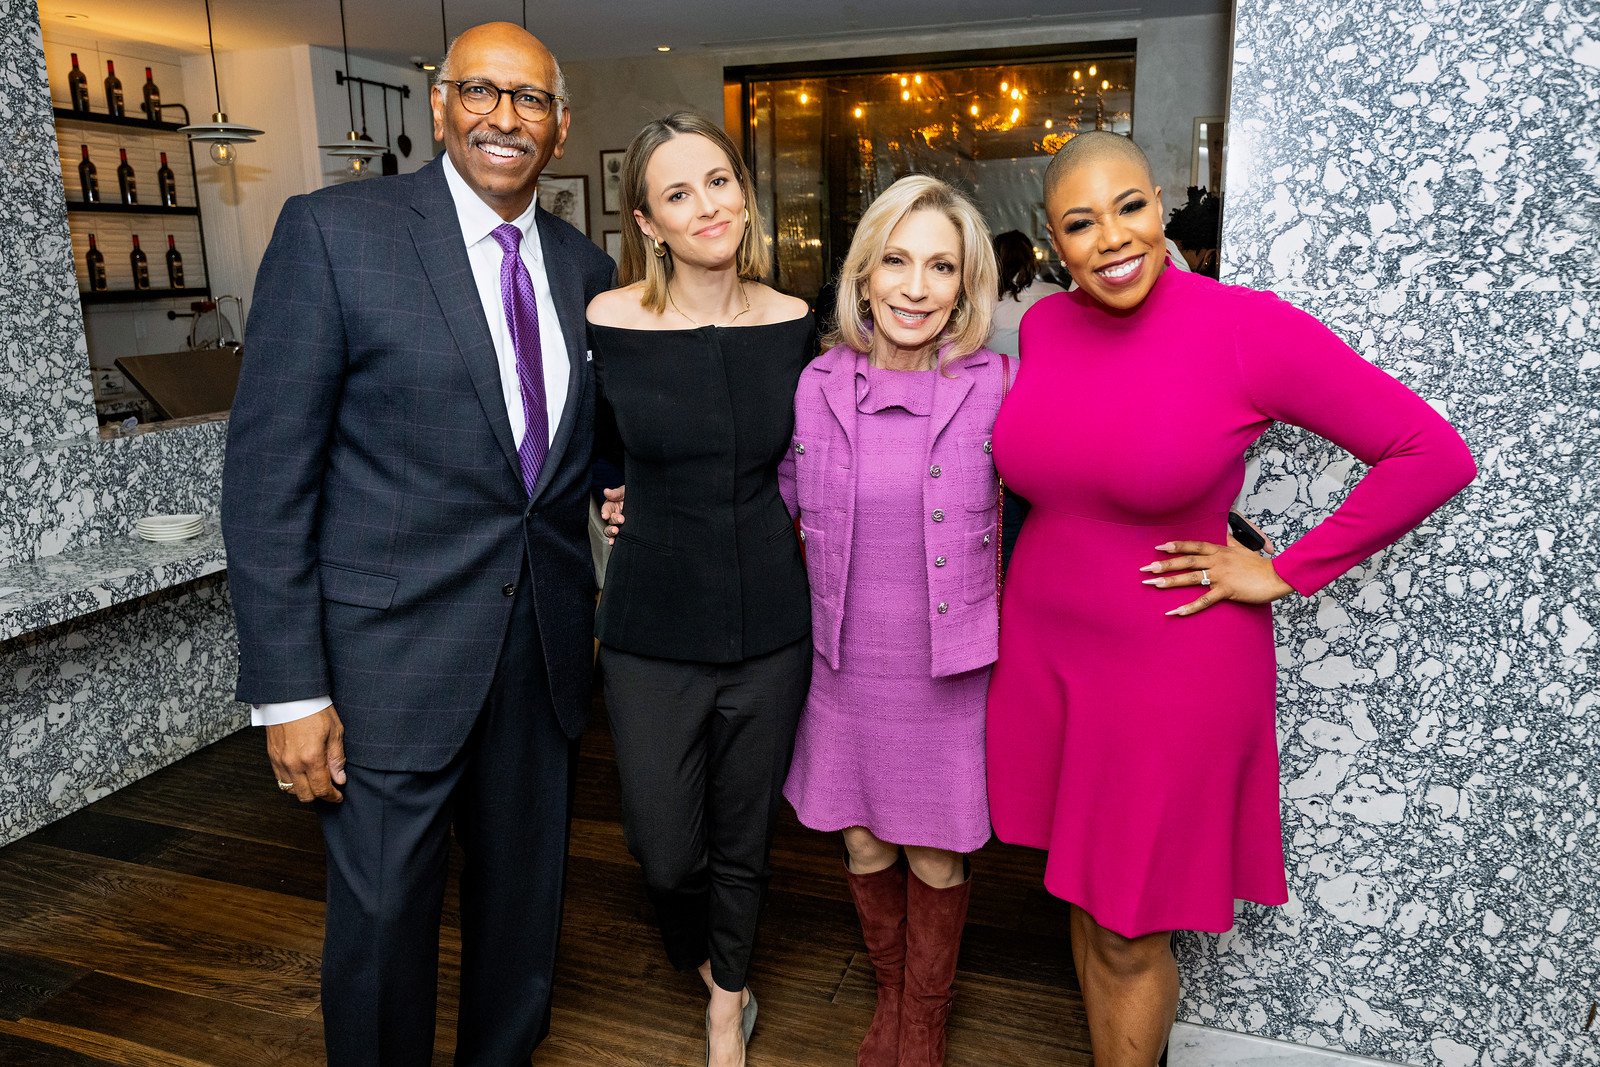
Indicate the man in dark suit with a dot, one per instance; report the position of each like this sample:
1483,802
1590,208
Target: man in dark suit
405,513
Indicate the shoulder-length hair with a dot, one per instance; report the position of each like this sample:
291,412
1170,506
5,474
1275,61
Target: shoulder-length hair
974,311
639,261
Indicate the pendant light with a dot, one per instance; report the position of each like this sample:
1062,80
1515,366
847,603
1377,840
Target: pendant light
357,149
219,133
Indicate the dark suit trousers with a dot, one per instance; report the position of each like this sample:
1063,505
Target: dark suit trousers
703,750
507,796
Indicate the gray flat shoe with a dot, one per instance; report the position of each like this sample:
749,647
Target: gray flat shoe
747,1018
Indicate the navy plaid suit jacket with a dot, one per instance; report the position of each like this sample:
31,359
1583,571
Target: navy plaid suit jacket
372,503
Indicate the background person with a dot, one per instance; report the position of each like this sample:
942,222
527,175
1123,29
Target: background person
1131,721
705,625
404,503
891,476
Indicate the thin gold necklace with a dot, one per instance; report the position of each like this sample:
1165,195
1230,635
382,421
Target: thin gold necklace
698,325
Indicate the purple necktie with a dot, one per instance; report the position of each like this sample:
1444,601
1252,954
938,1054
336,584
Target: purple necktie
522,319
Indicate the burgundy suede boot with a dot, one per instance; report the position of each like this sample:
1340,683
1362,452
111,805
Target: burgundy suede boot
881,906
934,921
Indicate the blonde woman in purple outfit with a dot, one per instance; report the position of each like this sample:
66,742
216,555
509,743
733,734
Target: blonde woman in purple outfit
891,477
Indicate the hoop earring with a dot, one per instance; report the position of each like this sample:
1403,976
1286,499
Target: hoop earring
659,249
747,216
864,308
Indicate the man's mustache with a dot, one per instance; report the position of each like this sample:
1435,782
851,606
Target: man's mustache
502,140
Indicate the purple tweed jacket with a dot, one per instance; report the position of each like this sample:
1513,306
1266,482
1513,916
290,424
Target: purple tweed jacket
960,502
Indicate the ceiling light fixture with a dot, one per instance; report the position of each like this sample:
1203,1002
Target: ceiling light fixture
663,48
357,149
219,133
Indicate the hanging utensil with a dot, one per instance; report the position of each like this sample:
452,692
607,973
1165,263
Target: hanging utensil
390,163
403,141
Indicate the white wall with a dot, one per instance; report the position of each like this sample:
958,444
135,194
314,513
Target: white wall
1181,74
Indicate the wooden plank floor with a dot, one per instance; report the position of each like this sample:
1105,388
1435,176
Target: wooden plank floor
179,922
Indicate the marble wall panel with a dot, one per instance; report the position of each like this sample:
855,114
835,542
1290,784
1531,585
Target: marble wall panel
1415,144
74,495
1438,717
44,363
89,706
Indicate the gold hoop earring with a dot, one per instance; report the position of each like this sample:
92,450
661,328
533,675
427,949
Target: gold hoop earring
747,216
660,249
864,308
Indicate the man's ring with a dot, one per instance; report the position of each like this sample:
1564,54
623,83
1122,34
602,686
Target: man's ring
1205,579
287,787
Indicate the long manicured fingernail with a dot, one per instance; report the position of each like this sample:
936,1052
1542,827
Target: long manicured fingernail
1151,568
1175,611
1168,547
1154,581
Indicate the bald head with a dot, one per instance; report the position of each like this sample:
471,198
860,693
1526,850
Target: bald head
1092,148
500,37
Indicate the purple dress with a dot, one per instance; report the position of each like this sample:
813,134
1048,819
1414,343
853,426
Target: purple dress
883,744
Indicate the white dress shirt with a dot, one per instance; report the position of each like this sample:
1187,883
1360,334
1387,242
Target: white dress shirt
477,220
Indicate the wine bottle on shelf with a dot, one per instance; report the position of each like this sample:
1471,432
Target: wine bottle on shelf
114,104
141,265
78,87
174,264
167,183
125,183
152,98
96,264
88,178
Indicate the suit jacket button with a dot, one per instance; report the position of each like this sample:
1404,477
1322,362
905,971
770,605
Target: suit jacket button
509,589
943,607
934,471
939,562
938,514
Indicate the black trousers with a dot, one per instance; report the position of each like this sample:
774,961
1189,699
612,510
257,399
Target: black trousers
703,750
507,797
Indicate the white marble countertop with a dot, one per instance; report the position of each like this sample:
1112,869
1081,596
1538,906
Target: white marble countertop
54,589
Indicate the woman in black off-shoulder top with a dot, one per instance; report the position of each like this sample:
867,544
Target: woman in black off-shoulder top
705,625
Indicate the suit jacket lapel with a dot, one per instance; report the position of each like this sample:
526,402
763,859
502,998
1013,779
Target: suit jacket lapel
437,234
950,388
840,392
566,288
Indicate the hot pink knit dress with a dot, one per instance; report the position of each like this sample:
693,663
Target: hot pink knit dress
1139,749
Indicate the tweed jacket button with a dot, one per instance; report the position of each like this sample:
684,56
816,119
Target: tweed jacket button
802,535
939,562
986,447
509,589
938,514
934,471
943,607
799,449
985,538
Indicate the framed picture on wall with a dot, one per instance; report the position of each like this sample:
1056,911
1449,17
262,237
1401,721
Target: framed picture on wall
567,198
613,245
611,181
1210,136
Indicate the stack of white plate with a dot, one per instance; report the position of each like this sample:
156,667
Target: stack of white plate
169,527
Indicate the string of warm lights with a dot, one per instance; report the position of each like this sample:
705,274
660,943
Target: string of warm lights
1015,105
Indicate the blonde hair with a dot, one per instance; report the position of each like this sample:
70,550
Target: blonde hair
639,261
974,311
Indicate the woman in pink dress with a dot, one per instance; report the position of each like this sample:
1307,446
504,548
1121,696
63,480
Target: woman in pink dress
1131,713
892,477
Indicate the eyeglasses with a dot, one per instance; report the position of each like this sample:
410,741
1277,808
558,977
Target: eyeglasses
481,98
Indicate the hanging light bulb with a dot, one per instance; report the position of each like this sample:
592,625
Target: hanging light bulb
805,98
219,133
357,148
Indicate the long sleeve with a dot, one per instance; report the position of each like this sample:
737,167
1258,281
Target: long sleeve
1298,371
278,442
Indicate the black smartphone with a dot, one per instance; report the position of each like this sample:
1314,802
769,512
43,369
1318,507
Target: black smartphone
1244,533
